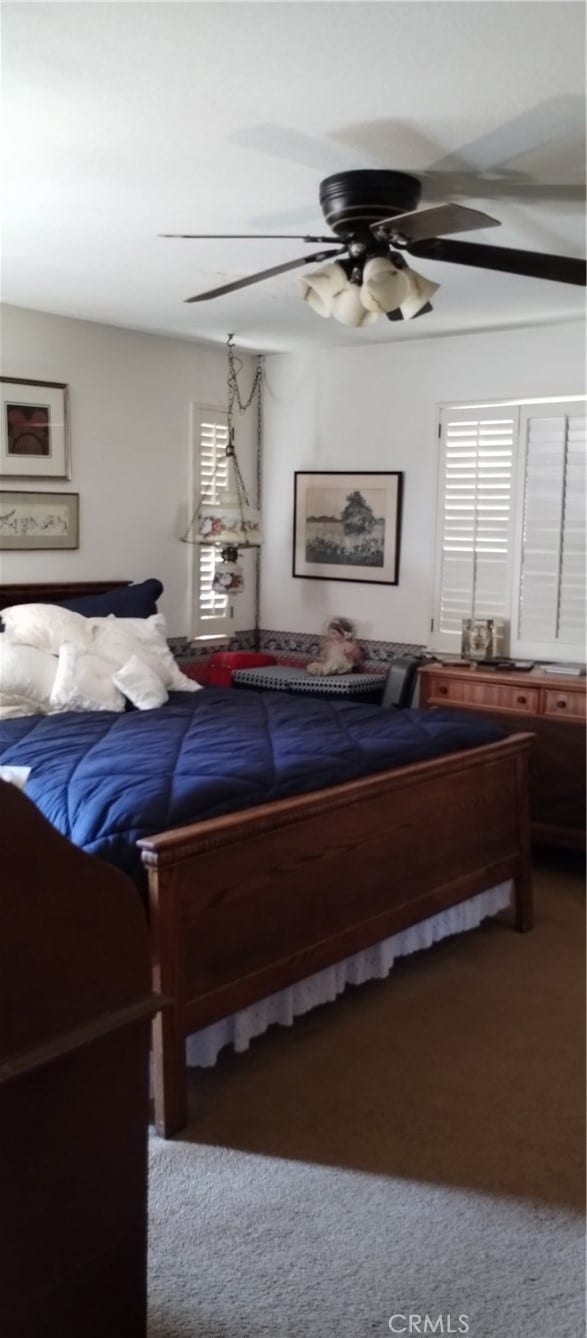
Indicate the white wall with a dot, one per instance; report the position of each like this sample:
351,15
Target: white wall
375,408
130,398
365,408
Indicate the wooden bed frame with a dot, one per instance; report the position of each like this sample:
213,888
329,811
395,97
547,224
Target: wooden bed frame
244,905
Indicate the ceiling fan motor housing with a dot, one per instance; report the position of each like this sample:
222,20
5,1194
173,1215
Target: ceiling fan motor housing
352,201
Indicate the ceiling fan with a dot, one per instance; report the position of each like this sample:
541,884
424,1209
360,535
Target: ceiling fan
373,216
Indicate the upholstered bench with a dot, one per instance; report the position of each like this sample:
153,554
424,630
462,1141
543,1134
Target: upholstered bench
287,678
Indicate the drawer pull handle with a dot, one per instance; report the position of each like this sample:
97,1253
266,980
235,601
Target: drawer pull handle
562,703
521,700
443,690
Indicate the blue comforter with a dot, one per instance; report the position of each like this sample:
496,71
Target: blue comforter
104,779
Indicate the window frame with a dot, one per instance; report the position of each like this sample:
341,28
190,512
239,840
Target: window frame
518,648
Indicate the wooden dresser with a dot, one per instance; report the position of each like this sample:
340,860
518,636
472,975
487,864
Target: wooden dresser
553,708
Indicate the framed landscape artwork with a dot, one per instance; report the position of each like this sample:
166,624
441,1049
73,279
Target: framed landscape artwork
39,520
34,429
347,526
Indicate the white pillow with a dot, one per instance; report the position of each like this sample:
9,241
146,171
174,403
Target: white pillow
84,682
118,639
26,673
12,707
140,684
45,626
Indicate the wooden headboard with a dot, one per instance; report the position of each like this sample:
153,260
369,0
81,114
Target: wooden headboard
52,593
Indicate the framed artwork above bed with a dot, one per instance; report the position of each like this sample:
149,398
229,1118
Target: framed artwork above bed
31,520
34,429
347,526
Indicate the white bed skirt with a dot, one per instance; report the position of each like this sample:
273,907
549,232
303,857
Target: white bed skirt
238,1030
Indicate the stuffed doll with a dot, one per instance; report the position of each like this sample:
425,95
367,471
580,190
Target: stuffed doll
339,651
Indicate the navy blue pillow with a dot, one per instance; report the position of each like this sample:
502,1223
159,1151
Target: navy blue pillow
128,601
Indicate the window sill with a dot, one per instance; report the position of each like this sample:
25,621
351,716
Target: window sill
214,637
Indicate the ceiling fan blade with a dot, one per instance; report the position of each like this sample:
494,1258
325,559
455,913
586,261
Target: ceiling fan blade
503,164
437,185
402,146
420,224
295,147
266,274
244,236
534,264
486,168
553,121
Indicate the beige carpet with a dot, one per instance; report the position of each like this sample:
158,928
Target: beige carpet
413,1149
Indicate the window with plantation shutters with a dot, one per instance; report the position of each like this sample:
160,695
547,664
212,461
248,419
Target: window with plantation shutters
511,525
549,617
210,476
475,519
572,591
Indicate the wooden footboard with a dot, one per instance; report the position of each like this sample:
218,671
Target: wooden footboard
244,905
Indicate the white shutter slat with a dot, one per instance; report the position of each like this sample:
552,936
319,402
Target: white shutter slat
551,610
573,592
210,477
541,539
474,518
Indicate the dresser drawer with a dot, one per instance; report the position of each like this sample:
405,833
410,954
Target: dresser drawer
561,704
484,695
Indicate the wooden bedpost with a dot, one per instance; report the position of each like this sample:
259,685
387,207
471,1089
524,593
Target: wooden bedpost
169,1067
74,1101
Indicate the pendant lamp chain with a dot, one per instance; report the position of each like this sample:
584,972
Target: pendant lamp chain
234,400
259,476
234,395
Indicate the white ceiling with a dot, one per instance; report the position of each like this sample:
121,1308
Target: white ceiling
123,120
